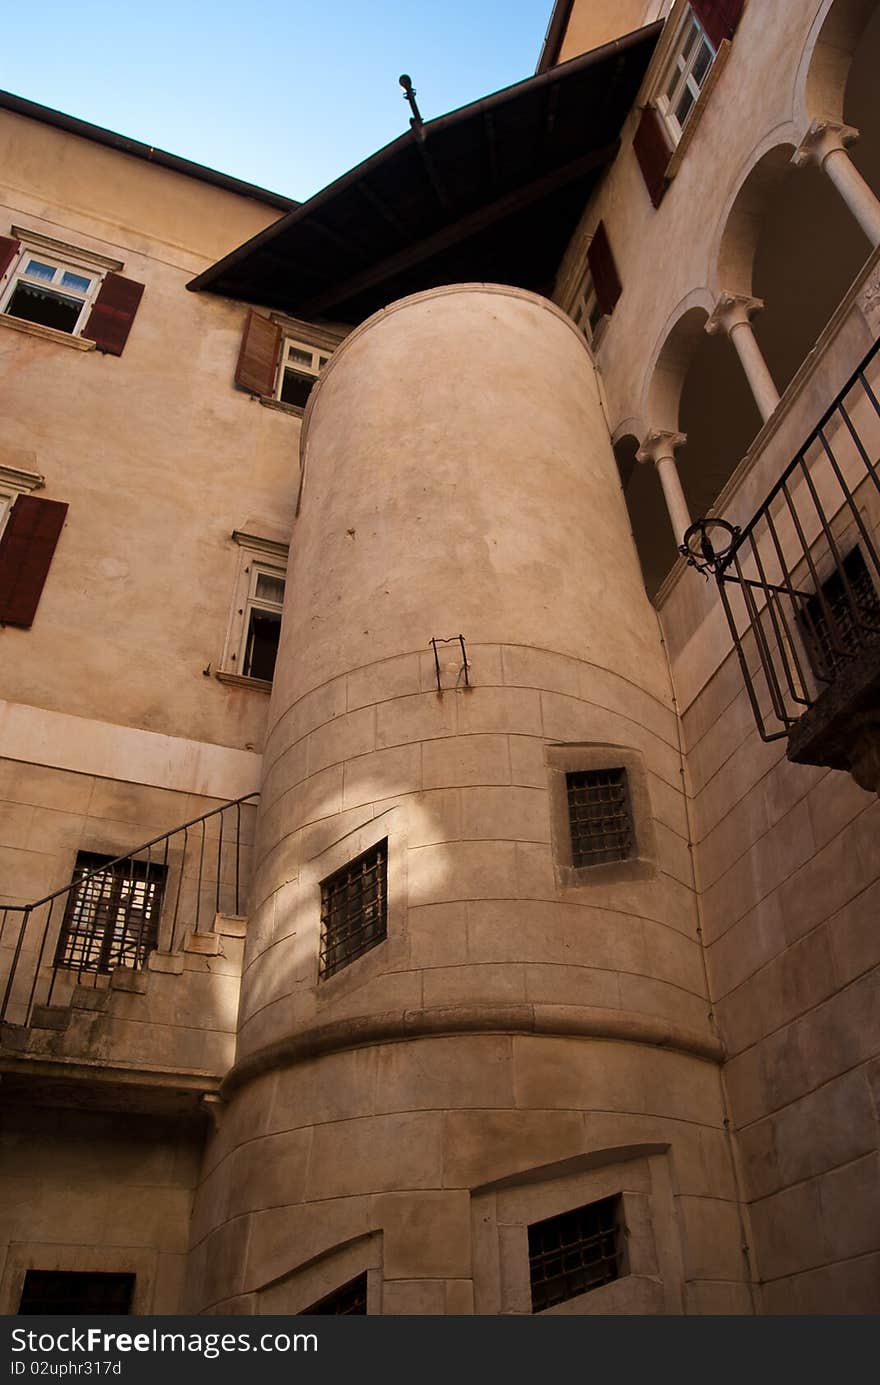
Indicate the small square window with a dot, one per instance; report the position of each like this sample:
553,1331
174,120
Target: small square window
354,910
599,816
112,919
684,75
575,1252
347,1301
75,1292
844,620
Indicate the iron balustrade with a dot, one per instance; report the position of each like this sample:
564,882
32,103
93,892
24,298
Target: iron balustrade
800,582
117,913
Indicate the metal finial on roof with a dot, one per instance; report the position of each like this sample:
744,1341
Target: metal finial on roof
409,94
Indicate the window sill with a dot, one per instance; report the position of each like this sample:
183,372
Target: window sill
238,680
36,329
700,105
279,404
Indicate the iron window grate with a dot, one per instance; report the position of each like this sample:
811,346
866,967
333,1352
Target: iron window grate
574,1252
599,815
112,919
348,1300
73,1291
354,914
855,617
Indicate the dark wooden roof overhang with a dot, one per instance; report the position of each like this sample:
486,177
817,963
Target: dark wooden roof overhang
489,193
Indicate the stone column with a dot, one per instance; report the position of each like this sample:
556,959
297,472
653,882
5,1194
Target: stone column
659,447
733,315
825,145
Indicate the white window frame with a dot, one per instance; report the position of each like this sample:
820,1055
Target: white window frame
257,557
13,483
318,358
678,68
68,264
586,314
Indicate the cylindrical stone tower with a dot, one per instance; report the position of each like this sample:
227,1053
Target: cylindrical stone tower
474,1000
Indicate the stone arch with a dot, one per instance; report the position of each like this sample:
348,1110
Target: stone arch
696,387
680,339
741,228
648,520
824,72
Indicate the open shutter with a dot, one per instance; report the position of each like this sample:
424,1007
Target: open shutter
113,313
653,153
8,251
258,357
606,280
26,550
718,17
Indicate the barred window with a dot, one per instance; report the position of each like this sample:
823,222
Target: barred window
354,909
112,919
599,816
842,621
349,1299
575,1252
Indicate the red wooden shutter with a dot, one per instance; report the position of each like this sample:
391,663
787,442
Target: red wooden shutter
718,17
258,357
26,550
606,280
8,251
653,153
113,313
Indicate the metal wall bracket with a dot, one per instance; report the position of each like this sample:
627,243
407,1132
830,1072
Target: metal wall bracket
463,678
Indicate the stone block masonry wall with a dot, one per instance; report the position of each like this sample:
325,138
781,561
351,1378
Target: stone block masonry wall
787,861
115,1197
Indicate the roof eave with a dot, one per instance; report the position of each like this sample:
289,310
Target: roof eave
582,62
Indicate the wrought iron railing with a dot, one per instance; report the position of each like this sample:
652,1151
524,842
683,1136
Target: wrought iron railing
114,913
800,582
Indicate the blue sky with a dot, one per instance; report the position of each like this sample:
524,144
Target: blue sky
285,95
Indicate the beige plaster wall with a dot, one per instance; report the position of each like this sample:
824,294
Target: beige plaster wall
158,455
594,22
117,1197
146,203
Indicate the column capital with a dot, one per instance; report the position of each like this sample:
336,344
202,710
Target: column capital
732,310
823,137
659,443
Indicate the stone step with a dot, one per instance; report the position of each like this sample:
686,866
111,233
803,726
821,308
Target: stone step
50,1017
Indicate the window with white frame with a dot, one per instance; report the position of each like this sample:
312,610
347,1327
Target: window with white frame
15,482
686,71
51,291
586,312
298,370
6,501
255,623
262,623
280,359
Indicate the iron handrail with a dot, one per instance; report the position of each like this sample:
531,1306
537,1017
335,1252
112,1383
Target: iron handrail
858,376
141,946
802,601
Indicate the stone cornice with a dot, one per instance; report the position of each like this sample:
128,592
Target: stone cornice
394,1026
